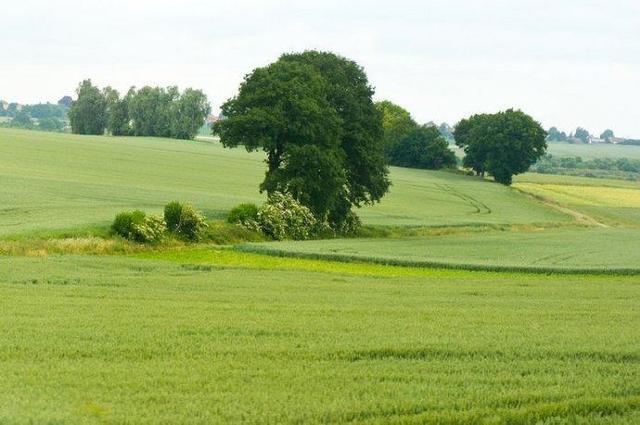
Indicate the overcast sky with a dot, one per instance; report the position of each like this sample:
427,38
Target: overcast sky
566,62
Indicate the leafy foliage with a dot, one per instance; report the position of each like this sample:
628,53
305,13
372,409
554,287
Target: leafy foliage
423,147
397,124
149,111
555,135
117,113
502,144
313,115
188,114
172,212
243,214
21,120
50,124
282,217
88,114
192,223
138,227
582,134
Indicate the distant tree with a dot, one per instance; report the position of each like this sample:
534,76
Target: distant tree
150,111
21,120
88,114
65,101
12,109
117,112
582,134
555,135
424,147
607,135
502,144
446,131
189,112
397,123
45,110
50,124
313,115
466,134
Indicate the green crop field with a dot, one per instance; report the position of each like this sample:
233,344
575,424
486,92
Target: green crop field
611,243
594,151
61,181
117,340
94,329
564,249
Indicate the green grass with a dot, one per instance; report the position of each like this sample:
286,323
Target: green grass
609,201
593,151
569,249
54,181
115,340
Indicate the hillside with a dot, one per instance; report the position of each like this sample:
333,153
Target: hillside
63,181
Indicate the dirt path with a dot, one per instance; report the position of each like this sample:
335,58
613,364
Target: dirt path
577,215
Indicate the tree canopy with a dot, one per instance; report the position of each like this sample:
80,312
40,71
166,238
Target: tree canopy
582,134
397,123
409,145
607,135
313,115
502,144
88,114
424,147
149,111
555,135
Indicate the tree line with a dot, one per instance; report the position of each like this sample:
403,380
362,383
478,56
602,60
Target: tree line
148,111
407,144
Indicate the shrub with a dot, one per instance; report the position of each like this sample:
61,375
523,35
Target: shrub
151,229
243,214
172,212
123,223
137,226
192,224
282,217
349,225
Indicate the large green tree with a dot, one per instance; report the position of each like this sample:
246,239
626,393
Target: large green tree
150,111
313,115
117,112
502,144
397,123
424,147
189,113
88,114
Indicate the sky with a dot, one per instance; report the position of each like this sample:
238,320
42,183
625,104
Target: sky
567,63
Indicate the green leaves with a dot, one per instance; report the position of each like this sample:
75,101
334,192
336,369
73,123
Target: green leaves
313,115
502,144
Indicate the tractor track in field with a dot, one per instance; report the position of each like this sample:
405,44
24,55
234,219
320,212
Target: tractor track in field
577,215
479,206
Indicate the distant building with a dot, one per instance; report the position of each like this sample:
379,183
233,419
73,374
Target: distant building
211,119
596,140
616,140
4,105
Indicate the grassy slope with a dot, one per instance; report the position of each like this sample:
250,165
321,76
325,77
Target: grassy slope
594,249
594,151
130,340
54,181
614,203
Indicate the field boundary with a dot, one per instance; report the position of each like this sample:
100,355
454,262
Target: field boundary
264,250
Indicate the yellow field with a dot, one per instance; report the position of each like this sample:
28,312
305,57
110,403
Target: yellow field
585,195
